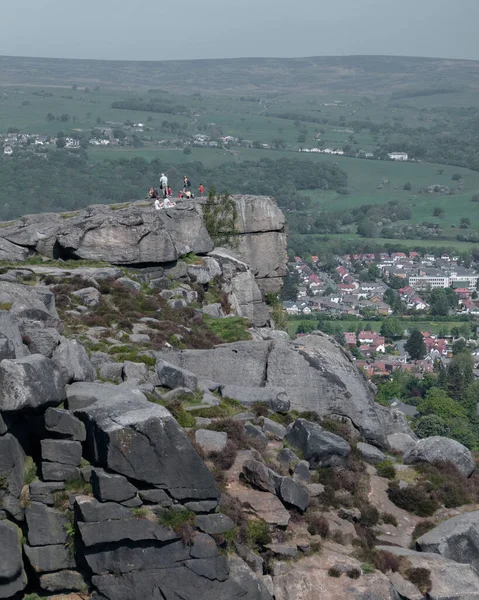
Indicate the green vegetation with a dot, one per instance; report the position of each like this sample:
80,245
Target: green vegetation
176,519
30,471
220,216
386,469
258,534
232,329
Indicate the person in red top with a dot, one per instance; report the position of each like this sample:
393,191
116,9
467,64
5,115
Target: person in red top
201,189
170,193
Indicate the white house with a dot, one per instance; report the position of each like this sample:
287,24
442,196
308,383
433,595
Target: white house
8,150
398,155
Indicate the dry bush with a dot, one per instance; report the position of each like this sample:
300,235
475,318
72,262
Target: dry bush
317,525
225,459
386,561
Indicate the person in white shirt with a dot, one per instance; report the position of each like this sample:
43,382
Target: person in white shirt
158,204
164,184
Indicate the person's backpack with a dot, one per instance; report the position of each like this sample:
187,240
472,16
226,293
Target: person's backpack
188,183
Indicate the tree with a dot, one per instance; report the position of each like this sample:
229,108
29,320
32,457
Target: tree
439,302
430,425
438,212
301,138
465,222
437,402
391,328
475,198
459,375
74,86
407,186
415,346
367,228
459,346
456,177
61,142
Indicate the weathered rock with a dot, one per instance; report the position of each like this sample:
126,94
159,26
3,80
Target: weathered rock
405,589
111,487
12,466
370,453
63,423
275,397
30,303
130,530
139,338
260,476
245,578
133,371
42,491
319,447
456,539
11,332
303,580
293,494
214,524
90,509
283,550
211,441
401,442
129,283
72,360
264,505
6,348
287,458
63,581
40,340
111,371
437,448
301,472
449,579
45,559
275,429
173,377
12,575
254,561
232,364
81,395
254,432
90,296
159,497
65,452
46,526
30,382
53,471
213,310
158,451
12,253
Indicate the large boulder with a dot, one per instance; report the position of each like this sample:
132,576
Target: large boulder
456,538
318,375
276,398
173,377
318,446
30,303
11,252
441,449
314,373
141,440
12,575
30,382
450,580
72,360
233,364
46,526
134,234
61,422
40,340
12,466
10,331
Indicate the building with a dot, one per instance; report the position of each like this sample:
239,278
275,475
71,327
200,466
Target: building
398,156
8,150
463,278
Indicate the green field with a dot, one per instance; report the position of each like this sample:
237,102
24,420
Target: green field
431,326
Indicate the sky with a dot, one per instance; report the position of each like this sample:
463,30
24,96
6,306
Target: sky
187,29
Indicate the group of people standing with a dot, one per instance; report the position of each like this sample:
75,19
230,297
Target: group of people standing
167,192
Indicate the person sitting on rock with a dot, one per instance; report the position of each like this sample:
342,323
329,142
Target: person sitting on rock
169,192
167,203
157,204
153,193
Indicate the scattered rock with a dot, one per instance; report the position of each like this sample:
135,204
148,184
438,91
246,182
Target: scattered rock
401,442
65,452
108,487
318,446
90,296
214,524
30,382
45,559
63,423
276,429
259,476
53,471
254,432
301,472
173,377
211,441
437,448
63,581
46,526
89,509
275,398
12,575
293,494
370,453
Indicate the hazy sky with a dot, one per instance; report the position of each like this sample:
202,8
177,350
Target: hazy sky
156,29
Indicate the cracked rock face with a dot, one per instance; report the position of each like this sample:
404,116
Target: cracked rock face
141,440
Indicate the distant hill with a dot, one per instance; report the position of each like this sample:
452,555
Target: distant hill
333,74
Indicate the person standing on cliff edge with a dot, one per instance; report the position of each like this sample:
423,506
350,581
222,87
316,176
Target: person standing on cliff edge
164,184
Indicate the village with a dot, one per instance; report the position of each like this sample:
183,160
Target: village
370,286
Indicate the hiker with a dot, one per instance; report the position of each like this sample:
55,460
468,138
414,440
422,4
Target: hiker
186,183
167,203
201,190
157,204
153,193
164,184
170,193
180,194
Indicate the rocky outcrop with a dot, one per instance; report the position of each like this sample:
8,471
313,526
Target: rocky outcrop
456,539
313,373
441,449
12,573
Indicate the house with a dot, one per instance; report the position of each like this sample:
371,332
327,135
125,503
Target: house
408,409
7,150
291,307
398,156
350,337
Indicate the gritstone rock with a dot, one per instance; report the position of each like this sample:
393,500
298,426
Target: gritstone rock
12,574
437,448
72,360
319,447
